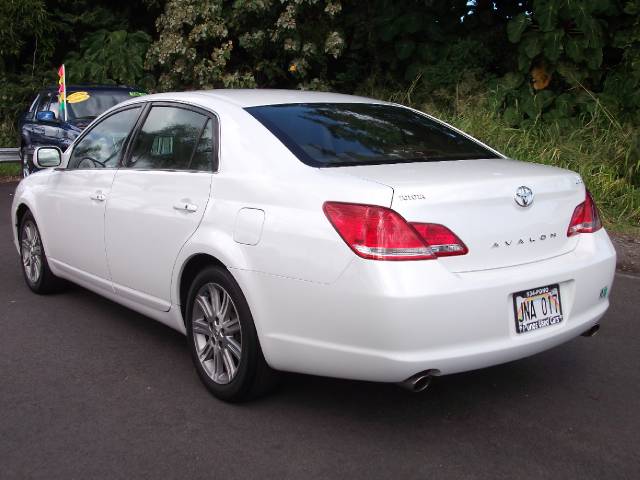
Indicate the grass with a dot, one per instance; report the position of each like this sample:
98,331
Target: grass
599,154
9,170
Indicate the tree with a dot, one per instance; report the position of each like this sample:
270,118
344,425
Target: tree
220,43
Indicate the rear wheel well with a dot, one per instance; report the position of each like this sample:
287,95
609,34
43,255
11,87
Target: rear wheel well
191,269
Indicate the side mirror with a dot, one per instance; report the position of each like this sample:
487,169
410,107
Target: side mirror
47,157
46,116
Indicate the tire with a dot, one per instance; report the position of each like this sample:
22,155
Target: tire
223,341
26,167
35,266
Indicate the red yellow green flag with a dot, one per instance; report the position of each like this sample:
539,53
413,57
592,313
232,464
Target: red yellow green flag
62,90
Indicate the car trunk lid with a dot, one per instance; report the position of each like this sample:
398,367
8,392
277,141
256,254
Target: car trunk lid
476,200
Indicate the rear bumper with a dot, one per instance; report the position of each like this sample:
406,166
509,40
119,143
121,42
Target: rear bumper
385,321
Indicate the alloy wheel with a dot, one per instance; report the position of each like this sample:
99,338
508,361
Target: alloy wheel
31,249
217,333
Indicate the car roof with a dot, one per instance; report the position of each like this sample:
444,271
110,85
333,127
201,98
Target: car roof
92,86
245,98
260,97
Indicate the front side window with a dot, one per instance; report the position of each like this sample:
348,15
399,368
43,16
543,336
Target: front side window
344,134
173,138
102,146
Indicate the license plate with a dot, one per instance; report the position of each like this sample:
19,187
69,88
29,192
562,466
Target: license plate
537,308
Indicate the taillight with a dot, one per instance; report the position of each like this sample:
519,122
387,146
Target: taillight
380,233
585,219
442,241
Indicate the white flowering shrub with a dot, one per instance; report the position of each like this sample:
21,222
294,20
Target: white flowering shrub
246,43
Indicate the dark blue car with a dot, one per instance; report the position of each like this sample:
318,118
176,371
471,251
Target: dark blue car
44,123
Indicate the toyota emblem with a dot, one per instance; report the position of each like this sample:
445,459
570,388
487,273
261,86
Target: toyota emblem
524,196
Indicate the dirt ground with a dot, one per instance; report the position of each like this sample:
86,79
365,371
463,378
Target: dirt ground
628,248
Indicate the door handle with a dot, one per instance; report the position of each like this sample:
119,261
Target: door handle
186,207
98,197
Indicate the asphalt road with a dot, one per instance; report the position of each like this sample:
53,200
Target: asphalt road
89,389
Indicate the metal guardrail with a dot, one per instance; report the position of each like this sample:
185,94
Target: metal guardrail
9,155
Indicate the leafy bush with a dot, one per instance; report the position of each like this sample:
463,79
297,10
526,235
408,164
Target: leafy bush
244,44
566,51
600,150
24,29
111,57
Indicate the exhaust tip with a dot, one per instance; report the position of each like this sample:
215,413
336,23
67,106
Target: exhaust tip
592,331
419,382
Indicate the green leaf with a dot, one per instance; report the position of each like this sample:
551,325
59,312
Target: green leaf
531,44
571,73
516,27
524,62
388,32
592,32
409,23
594,58
543,99
528,104
511,81
574,48
553,44
512,117
602,6
546,12
119,36
564,105
404,49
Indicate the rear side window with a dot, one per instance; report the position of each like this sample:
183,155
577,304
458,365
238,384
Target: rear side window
205,149
173,138
344,134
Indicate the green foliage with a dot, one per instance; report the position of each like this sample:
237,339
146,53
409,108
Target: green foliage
37,36
111,57
586,50
16,92
598,149
243,44
23,25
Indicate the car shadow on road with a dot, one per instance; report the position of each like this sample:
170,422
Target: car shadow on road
466,395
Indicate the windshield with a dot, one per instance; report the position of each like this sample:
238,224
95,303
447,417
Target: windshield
343,134
88,104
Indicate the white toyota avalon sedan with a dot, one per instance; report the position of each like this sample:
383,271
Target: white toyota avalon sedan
317,233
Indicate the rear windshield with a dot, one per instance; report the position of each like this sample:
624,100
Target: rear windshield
88,104
347,134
